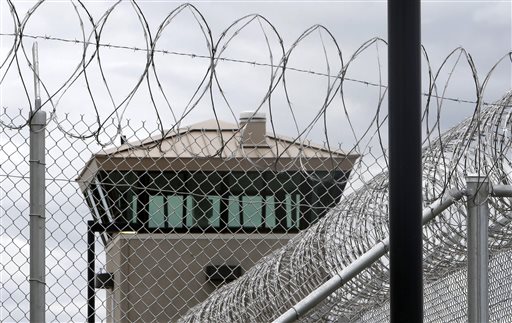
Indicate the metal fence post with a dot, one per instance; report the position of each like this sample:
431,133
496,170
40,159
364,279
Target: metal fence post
37,215
37,202
405,164
478,252
91,256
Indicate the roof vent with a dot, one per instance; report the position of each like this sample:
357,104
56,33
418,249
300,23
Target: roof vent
253,129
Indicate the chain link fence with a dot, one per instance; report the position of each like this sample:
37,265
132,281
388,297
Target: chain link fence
446,298
359,221
204,213
173,218
66,214
213,223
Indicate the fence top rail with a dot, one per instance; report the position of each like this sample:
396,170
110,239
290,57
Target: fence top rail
363,262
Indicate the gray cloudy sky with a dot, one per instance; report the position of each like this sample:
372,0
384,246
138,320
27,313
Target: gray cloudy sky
483,28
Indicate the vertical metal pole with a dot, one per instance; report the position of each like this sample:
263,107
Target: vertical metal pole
37,207
91,306
478,253
405,181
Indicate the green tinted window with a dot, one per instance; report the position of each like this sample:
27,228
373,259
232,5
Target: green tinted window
234,212
156,212
214,219
175,211
189,202
252,211
288,204
133,209
264,200
270,205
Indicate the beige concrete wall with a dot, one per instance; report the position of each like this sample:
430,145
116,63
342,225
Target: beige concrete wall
158,277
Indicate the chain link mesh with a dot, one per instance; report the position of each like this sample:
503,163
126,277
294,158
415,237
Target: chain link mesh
66,215
183,236
227,220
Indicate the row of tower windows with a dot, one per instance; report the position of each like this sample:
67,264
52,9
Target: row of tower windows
215,200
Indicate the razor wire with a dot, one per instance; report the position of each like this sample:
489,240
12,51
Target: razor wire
360,220
199,208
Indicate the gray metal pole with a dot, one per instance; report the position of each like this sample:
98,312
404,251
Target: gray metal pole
364,261
501,190
37,207
330,286
478,253
37,216
91,267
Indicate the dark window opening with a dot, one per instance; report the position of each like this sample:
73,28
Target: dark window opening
216,201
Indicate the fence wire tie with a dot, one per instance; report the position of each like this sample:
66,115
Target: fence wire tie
38,215
37,161
37,280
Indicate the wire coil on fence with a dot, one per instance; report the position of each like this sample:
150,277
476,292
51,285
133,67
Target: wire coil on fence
182,210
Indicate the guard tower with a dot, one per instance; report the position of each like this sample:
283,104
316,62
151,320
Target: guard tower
181,215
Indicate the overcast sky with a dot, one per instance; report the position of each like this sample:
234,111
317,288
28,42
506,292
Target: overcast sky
483,28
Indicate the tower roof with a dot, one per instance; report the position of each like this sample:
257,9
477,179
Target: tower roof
215,145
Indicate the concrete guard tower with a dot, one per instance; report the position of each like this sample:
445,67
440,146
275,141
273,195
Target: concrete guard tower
180,216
